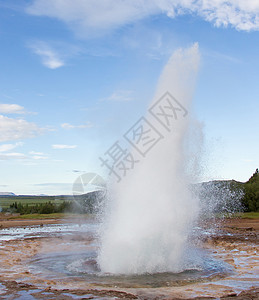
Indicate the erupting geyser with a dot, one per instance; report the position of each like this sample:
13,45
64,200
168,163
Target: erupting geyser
150,213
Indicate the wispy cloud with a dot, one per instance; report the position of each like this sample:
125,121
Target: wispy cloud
11,109
53,54
119,96
92,17
64,146
50,58
38,155
70,126
12,155
6,155
16,129
97,16
8,147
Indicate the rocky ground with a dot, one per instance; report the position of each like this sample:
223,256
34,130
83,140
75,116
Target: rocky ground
235,242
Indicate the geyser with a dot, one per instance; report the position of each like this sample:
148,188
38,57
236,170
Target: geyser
150,213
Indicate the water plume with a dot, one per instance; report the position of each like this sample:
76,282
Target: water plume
150,213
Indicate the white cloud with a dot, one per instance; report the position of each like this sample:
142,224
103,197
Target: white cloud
11,109
70,126
36,153
8,147
12,155
119,96
50,58
6,155
96,16
88,17
16,129
38,157
64,146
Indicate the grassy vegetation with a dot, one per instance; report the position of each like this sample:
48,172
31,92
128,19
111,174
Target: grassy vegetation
44,208
79,204
250,215
246,215
251,191
32,200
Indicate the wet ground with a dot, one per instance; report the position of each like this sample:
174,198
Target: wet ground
58,262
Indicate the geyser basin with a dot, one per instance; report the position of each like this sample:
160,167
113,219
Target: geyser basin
83,266
62,260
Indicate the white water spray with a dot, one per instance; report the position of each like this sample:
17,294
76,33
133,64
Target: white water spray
151,211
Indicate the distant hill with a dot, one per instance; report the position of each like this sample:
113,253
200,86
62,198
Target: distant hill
220,196
230,195
222,183
7,194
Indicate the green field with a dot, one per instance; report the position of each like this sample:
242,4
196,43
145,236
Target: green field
5,202
250,215
85,203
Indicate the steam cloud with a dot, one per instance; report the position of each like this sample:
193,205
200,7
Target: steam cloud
150,213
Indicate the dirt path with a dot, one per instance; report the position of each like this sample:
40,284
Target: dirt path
242,224
7,221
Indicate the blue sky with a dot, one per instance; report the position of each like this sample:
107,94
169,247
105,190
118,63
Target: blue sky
75,75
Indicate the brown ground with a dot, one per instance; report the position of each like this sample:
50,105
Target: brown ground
242,224
7,221
23,223
241,244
